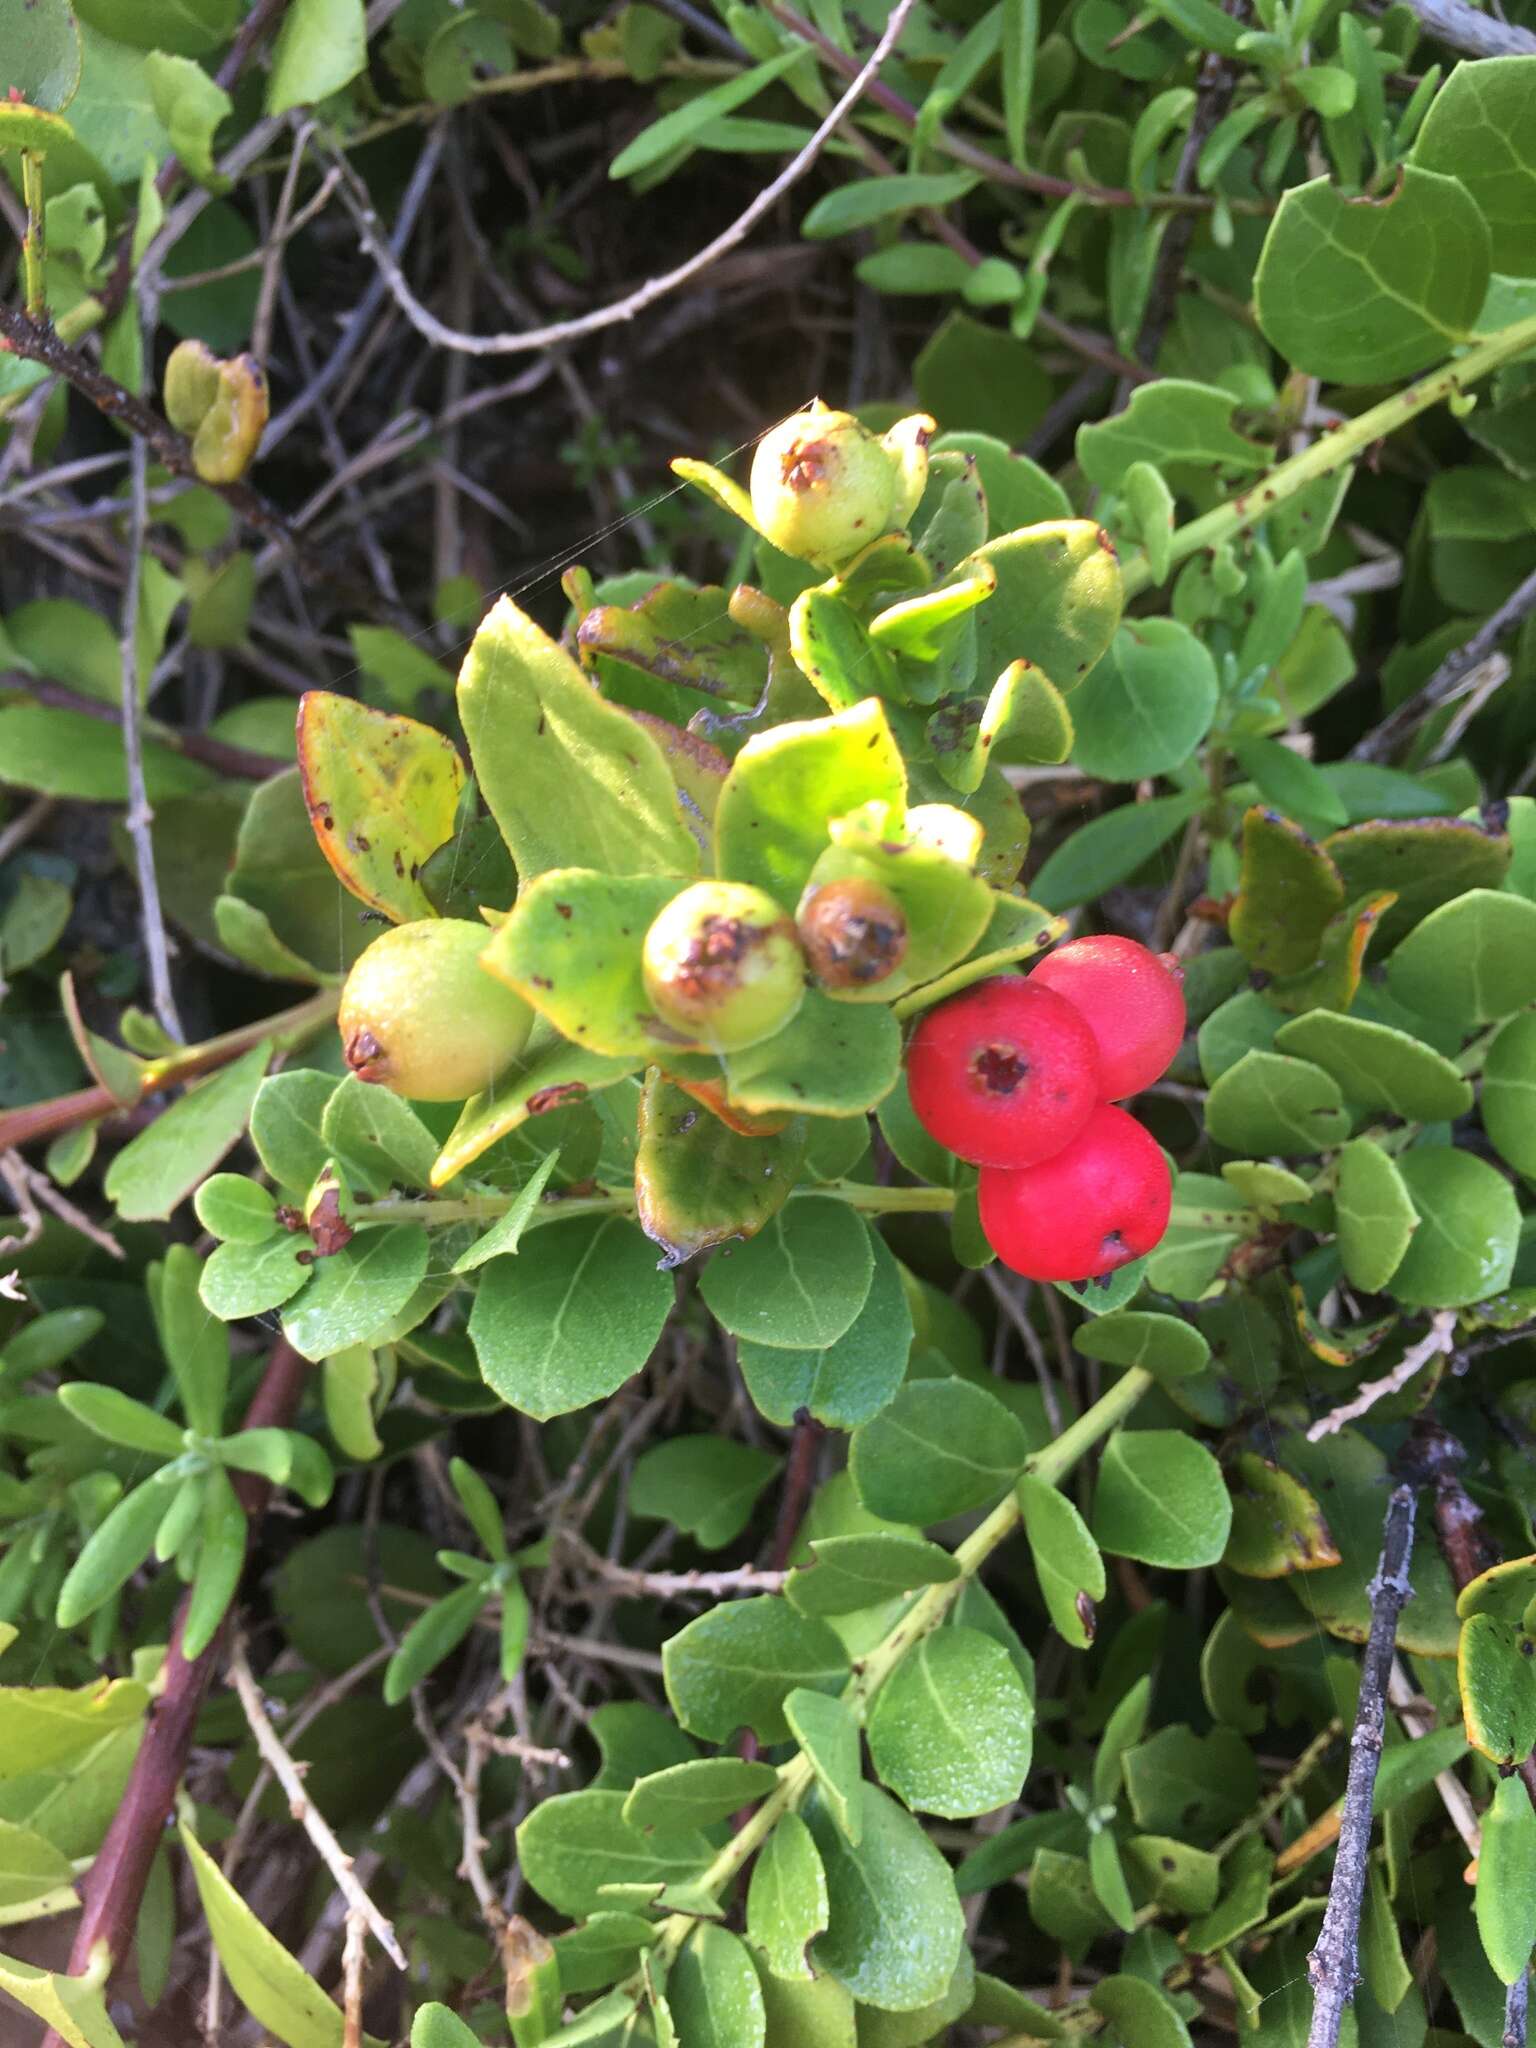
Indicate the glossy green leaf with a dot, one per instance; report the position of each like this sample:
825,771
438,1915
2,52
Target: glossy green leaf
1474,131
1161,1498
42,52
357,1290
321,47
845,1573
235,1208
1469,1229
1244,1901
699,1183
1140,2015
704,1485
576,1842
1268,1102
1379,1067
572,948
549,1336
1180,1877
1376,1214
1509,1094
241,1280
112,1554
800,1283
220,1561
552,1075
159,1168
1165,1346
787,1899
896,1924
120,1419
1196,1785
1110,848
45,1726
823,1725
75,2008
571,781
713,1992
696,1794
1505,1901
1469,962
1364,291
1498,1688
1168,420
854,1378
680,126
831,1059
940,1447
732,1667
1057,601
1068,1562
1148,703
952,1727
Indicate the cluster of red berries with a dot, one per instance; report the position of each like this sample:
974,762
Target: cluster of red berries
1020,1075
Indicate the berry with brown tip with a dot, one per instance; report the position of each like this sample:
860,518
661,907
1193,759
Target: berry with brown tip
1003,1074
854,932
421,1016
722,965
1102,1201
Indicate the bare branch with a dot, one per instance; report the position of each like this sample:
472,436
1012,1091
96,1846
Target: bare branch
1441,1338
1333,1966
1446,684
303,1808
355,195
1470,29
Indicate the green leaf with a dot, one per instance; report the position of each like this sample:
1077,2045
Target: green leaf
697,1182
1109,849
241,1280
696,1794
1379,1067
378,1139
713,1992
190,28
550,1076
1180,1877
706,1486
1148,703
235,1208
1170,420
572,781
1365,291
435,1634
286,1120
565,1329
1057,601
1142,2015
1068,1562
1277,1525
1476,130
275,1989
1470,961
67,754
824,1726
75,2008
41,39
36,1879
355,1291
1268,1102
506,1233
854,1377
1469,1229
831,1059
1505,1901
800,1283
1498,1699
120,1419
191,106
682,125
1018,491
45,1726
1290,781
848,1572
952,1728
896,1927
863,201
1197,1784
734,1666
940,1447
1161,1498
436,2027
321,46
1165,1346
220,1561
784,786
113,1553
1375,1212
572,948
576,1842
1509,1083
1290,891
160,1167
602,1950
787,1899
1424,861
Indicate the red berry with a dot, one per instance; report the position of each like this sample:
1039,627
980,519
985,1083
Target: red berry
1098,1204
1004,1073
1132,1001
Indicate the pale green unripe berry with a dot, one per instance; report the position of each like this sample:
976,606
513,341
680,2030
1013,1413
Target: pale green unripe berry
723,966
421,1015
824,486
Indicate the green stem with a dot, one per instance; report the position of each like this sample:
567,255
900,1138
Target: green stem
921,1618
33,250
433,1209
1330,452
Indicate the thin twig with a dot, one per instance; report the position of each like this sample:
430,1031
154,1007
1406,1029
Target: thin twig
303,1808
1333,1966
670,1585
1470,29
356,197
1441,1338
353,1957
24,824
139,817
1516,2005
1447,679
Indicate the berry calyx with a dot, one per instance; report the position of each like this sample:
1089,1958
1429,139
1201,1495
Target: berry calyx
823,486
421,1016
853,931
722,965
1004,1073
1131,1000
1102,1201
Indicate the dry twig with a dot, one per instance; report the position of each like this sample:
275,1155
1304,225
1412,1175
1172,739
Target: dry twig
1441,1338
